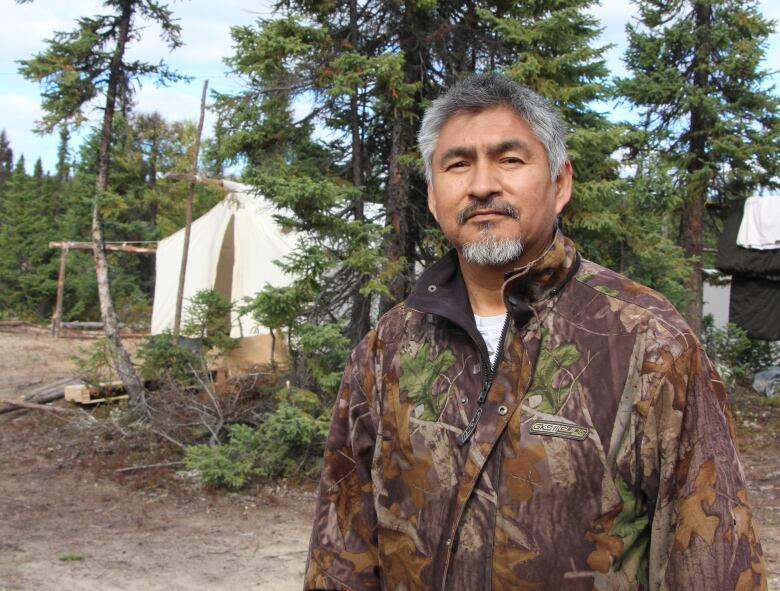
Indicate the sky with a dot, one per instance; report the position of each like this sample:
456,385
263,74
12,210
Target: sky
206,34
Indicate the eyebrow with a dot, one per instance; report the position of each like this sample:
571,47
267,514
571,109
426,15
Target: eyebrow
458,152
494,150
508,146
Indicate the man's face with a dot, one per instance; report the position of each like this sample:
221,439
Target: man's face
491,181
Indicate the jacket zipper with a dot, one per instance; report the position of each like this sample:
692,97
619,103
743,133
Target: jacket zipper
487,382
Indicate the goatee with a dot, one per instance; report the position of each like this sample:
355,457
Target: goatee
490,252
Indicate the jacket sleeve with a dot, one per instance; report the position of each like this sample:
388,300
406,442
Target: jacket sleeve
343,546
703,536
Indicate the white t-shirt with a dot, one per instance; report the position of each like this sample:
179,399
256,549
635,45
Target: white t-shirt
490,329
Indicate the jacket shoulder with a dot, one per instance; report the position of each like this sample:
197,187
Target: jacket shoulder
395,322
635,302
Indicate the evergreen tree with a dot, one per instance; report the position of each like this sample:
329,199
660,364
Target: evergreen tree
75,68
349,169
706,108
27,275
63,155
6,158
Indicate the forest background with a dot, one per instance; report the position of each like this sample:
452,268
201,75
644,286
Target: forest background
323,124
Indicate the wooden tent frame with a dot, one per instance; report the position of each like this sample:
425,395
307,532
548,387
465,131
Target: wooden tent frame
66,246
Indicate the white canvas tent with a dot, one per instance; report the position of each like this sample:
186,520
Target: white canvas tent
232,249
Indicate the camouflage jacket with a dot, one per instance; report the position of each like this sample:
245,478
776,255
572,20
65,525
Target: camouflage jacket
603,458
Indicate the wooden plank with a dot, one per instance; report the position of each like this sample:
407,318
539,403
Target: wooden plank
85,394
108,399
76,393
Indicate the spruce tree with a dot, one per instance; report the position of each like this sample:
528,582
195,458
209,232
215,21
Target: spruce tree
706,107
75,68
63,155
348,167
27,277
6,158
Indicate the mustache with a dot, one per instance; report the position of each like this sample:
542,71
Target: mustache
494,205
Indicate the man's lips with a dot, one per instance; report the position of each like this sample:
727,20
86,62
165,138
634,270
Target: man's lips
486,212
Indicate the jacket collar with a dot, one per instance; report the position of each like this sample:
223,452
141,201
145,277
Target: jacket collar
440,290
527,289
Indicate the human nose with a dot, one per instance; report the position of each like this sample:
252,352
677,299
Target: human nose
483,182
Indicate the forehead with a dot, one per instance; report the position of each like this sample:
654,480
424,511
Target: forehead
483,129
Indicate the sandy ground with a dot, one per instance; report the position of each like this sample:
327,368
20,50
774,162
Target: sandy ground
29,359
69,521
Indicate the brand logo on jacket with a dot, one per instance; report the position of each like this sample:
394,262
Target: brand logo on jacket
553,429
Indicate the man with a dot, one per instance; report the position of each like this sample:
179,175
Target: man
526,419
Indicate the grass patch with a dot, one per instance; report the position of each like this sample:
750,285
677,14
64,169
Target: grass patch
71,558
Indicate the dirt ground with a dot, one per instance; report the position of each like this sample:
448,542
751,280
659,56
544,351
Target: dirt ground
70,518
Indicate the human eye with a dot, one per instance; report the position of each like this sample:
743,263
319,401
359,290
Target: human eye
455,165
512,160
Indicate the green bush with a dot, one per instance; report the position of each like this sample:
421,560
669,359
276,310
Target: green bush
291,439
289,443
208,319
737,356
95,364
324,349
306,400
163,359
230,465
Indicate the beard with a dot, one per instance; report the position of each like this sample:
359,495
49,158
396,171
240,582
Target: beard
490,252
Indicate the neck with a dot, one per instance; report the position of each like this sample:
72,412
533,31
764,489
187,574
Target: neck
483,285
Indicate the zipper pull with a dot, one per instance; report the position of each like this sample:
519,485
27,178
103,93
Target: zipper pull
470,428
483,394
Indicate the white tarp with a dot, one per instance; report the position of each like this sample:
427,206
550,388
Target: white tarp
239,255
760,227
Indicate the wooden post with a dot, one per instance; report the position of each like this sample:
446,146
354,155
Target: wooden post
56,321
65,247
188,215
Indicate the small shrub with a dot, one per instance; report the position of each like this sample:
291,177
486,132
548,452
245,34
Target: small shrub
290,438
324,349
305,400
737,356
96,363
289,443
230,465
164,360
208,319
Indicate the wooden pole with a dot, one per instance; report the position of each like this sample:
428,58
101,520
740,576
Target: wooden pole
188,215
124,247
56,321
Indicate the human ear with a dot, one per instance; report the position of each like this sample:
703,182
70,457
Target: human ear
432,202
563,184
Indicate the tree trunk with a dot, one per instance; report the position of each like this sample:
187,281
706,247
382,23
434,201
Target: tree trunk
188,215
400,242
696,191
397,210
360,319
122,361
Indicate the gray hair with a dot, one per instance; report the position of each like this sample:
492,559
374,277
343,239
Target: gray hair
486,91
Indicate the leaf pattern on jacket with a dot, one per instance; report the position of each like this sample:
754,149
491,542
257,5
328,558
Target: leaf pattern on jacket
551,367
418,377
